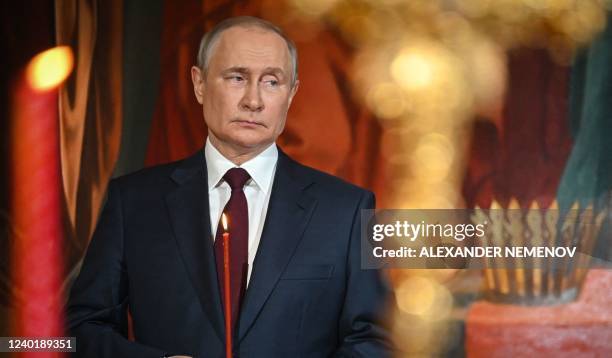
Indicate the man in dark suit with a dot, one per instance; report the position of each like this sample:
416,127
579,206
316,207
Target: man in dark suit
297,287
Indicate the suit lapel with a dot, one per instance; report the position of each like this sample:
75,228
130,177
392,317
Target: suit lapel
289,211
189,214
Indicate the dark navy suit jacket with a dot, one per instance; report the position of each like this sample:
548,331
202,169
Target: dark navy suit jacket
152,253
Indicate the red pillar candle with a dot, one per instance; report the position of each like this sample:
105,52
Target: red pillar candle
35,190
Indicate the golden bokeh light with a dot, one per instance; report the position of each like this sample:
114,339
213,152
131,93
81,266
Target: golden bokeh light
428,195
475,9
50,68
413,69
486,69
434,156
424,297
313,8
386,100
415,296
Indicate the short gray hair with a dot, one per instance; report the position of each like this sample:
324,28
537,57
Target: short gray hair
211,37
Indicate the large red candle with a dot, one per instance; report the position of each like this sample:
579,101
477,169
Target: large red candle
35,190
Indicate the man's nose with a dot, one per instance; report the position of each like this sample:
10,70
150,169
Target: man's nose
252,101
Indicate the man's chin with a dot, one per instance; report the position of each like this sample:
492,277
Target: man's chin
250,143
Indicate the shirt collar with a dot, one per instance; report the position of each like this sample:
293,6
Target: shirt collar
261,168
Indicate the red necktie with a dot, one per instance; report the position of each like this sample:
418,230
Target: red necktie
237,212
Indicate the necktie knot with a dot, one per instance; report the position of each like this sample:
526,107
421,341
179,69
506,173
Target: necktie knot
236,178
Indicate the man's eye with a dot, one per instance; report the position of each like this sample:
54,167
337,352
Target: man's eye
272,83
236,78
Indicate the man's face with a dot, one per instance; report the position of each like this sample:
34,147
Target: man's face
247,89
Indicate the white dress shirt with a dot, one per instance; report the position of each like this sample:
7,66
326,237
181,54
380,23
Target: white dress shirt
257,191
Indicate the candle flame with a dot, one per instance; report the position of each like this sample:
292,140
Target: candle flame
224,222
50,68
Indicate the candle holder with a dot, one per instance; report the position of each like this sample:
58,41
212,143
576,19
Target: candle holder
538,279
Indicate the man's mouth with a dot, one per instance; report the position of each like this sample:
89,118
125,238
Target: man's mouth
250,123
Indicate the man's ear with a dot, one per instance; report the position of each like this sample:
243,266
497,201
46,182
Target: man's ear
197,77
293,91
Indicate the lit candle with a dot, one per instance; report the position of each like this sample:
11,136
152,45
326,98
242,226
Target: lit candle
227,301
37,268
